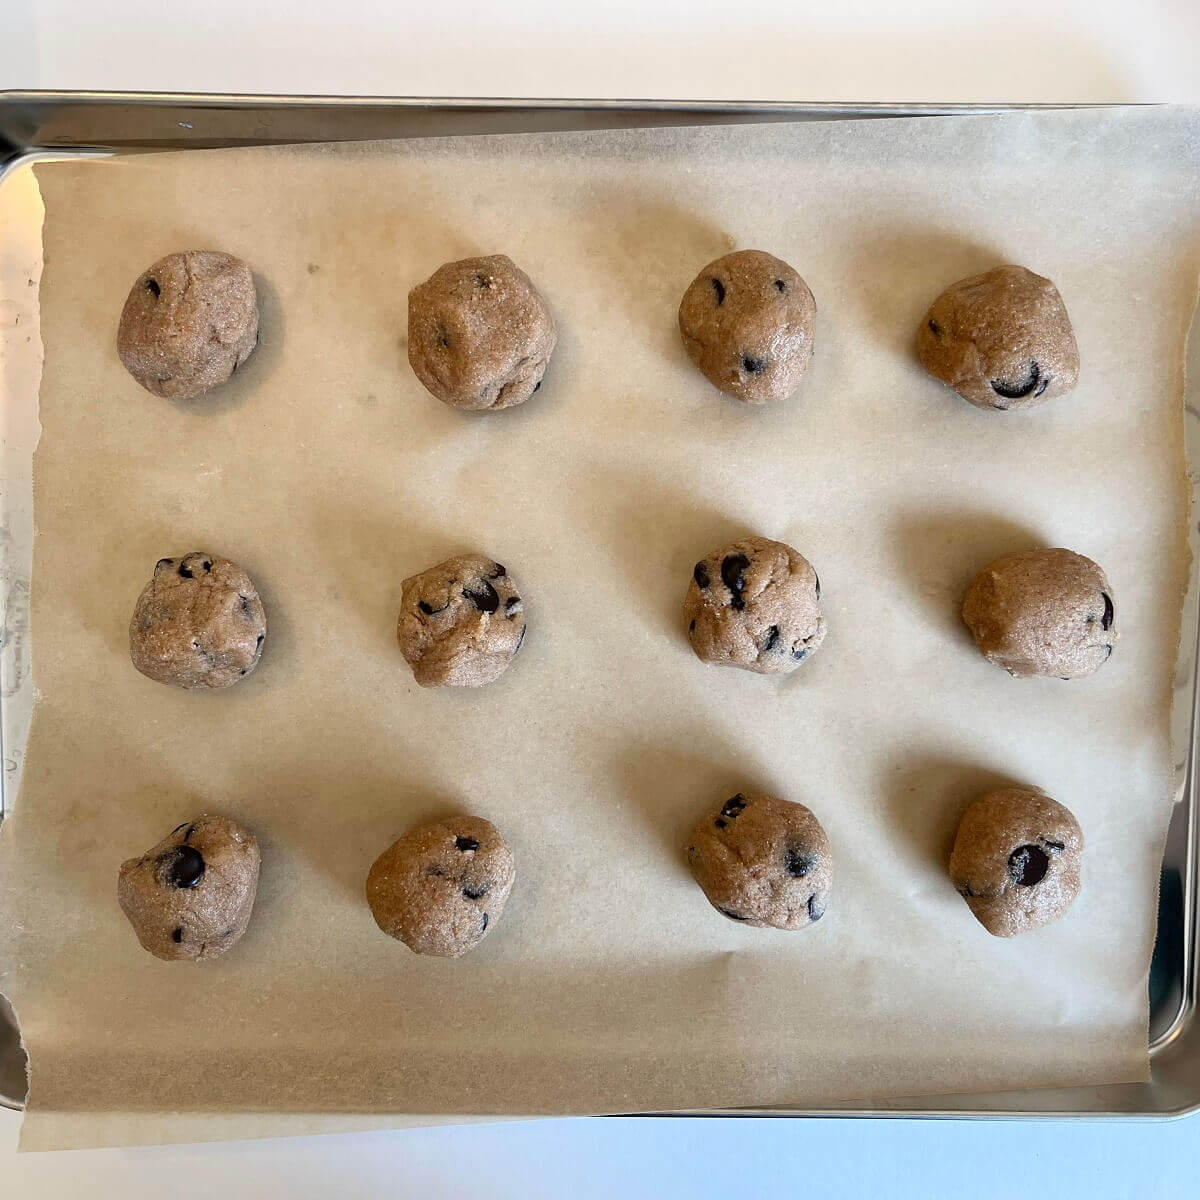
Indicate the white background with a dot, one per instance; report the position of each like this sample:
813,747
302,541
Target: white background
933,50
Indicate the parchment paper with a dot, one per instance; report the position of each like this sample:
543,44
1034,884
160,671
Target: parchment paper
327,471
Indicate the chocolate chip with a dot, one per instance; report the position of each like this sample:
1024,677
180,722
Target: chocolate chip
483,927
483,597
801,654
1041,387
186,571
772,638
247,611
700,575
475,893
816,910
818,582
1109,654
719,288
498,572
1107,620
536,386
179,827
443,339
484,281
732,568
1053,845
935,328
153,288
183,867
427,609
512,604
177,935
190,830
691,627
734,806
728,912
259,641
466,843
434,870
207,564
780,286
521,638
798,863
1016,391
1028,865
752,365
720,822
965,891
164,562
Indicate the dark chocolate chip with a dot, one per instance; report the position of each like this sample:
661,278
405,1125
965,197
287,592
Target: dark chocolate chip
1016,391
177,935
691,627
247,611
1107,620
498,572
425,608
733,567
207,564
536,386
1041,387
483,281
164,562
153,288
183,867
179,827
720,822
798,863
816,910
734,806
818,582
483,597
521,638
1028,865
772,638
443,339
1109,654
935,328
752,365
466,843
719,288
434,870
780,286
1053,845
190,830
186,571
512,604
483,927
801,654
475,893
700,575
728,912
259,641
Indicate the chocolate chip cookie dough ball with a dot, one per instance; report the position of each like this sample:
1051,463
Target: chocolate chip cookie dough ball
479,334
1016,860
1042,612
747,323
199,623
754,605
763,861
1001,340
190,897
441,887
190,321
461,623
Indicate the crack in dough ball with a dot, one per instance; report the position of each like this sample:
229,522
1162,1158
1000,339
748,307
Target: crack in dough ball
189,322
479,334
199,623
1001,340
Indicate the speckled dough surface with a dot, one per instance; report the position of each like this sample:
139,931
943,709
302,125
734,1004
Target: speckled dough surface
479,333
189,322
754,605
747,322
441,887
763,861
199,623
190,897
1016,860
461,622
1001,340
1042,612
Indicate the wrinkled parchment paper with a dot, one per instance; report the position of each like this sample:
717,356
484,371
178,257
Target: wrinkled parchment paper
327,471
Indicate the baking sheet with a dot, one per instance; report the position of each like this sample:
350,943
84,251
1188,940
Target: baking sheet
327,471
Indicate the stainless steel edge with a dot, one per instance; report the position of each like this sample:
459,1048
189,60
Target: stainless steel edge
43,124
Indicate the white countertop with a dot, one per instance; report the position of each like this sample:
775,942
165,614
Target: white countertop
862,50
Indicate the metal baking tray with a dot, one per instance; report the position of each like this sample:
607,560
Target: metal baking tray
40,125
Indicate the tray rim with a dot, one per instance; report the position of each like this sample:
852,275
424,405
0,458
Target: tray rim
1183,1032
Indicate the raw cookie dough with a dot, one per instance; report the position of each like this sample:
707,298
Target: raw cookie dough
747,323
754,605
461,622
441,887
1016,860
479,334
191,895
763,861
190,321
198,623
1001,340
1042,612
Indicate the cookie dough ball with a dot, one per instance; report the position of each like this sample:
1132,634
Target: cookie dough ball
461,622
190,321
198,623
1016,860
479,334
190,897
1042,612
747,323
1001,340
763,861
441,887
754,605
